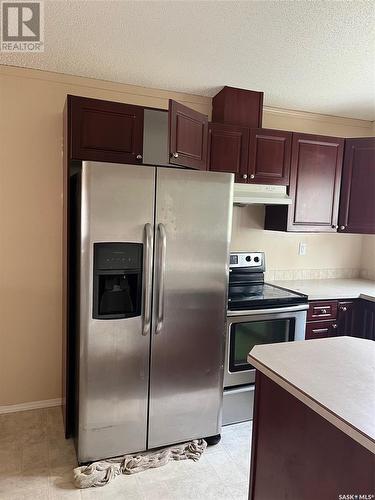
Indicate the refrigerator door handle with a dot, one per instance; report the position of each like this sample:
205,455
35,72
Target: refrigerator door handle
161,274
147,286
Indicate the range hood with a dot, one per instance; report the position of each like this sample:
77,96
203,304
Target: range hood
260,194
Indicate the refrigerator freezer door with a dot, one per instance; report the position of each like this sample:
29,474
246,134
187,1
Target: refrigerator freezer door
193,214
117,204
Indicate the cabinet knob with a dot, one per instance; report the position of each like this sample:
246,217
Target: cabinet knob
139,157
175,155
252,176
323,311
244,176
334,226
343,309
334,326
342,228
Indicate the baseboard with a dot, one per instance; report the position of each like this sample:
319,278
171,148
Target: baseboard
32,405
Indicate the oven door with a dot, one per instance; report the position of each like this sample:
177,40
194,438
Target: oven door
245,329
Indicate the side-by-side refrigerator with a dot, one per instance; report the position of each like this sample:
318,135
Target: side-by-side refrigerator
148,294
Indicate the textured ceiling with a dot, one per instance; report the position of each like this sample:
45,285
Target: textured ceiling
316,56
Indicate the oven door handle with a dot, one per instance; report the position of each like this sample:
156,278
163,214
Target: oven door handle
270,311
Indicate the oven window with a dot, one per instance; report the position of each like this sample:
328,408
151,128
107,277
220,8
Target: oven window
244,336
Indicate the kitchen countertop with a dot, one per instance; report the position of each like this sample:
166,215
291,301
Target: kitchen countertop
335,377
331,288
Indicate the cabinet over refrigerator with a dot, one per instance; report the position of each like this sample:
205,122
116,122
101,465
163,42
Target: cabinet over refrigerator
148,271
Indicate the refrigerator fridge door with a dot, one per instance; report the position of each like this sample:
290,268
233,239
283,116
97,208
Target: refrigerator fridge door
192,233
117,213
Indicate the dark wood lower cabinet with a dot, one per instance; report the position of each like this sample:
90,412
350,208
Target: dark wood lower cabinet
347,318
298,455
366,319
331,318
320,329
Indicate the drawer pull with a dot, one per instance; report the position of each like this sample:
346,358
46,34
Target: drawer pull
323,311
320,330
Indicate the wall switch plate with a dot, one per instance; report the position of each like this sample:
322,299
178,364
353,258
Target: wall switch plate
302,248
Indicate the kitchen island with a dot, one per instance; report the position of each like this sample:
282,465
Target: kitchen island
314,425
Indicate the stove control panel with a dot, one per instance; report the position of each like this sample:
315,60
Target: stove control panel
247,259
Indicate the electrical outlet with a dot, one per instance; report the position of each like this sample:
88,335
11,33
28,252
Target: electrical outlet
302,248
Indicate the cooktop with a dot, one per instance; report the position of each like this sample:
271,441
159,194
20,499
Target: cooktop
247,289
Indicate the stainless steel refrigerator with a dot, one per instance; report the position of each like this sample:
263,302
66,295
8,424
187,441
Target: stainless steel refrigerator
151,293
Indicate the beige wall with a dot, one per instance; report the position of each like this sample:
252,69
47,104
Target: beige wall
31,104
368,257
324,251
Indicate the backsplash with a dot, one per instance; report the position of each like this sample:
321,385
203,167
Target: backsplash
329,255
312,274
367,274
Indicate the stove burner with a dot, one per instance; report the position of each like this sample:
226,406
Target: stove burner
247,289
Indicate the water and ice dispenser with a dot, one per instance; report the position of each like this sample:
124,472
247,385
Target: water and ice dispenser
117,280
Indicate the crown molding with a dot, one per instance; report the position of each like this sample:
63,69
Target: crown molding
306,115
94,84
163,95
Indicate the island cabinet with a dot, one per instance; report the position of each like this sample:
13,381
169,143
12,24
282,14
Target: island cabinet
115,132
313,433
357,201
315,178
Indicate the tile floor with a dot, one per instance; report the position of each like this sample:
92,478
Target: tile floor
36,462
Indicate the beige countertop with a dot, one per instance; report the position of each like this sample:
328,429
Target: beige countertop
332,288
335,377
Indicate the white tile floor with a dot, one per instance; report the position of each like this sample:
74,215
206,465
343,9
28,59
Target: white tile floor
36,462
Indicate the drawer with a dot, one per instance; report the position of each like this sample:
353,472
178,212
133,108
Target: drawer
323,309
321,329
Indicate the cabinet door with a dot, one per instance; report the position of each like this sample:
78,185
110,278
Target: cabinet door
357,202
320,329
346,318
315,183
269,156
105,131
228,149
366,320
188,133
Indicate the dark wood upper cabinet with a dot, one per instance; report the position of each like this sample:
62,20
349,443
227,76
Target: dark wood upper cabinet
315,178
269,156
228,149
238,107
188,134
357,201
105,130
